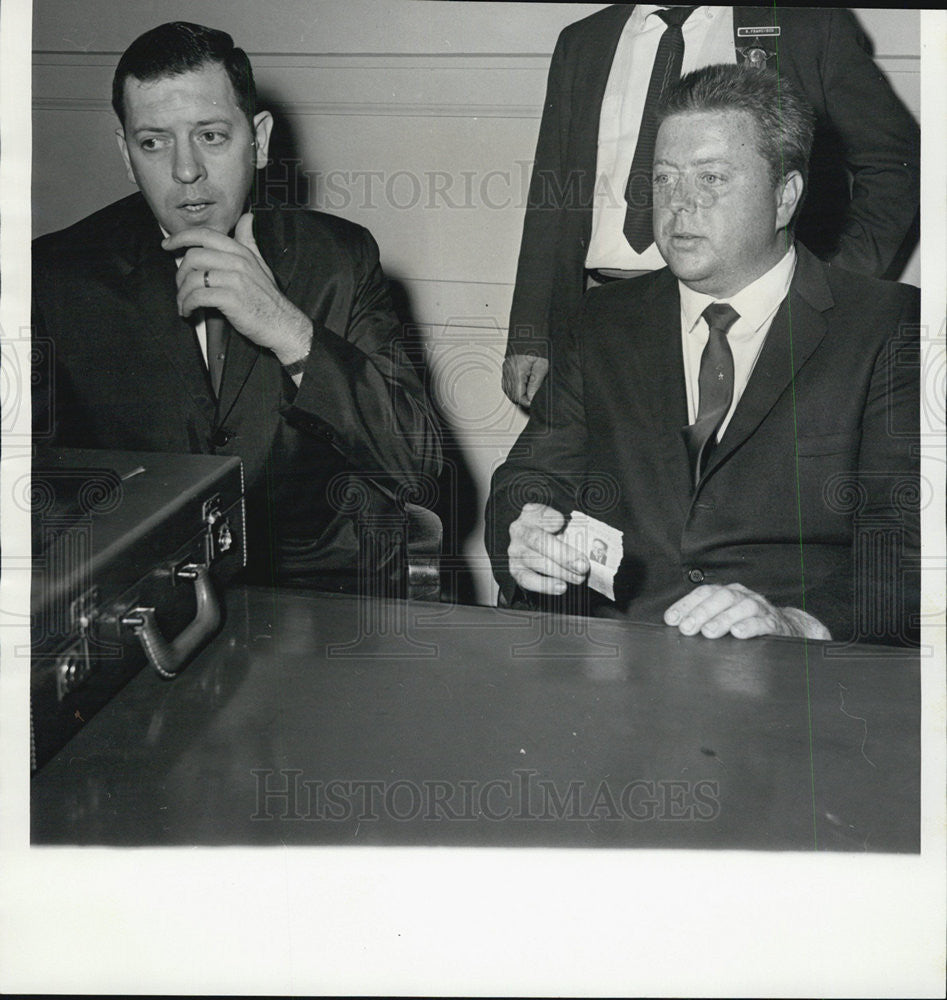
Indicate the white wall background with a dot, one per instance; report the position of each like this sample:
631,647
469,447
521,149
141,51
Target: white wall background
415,118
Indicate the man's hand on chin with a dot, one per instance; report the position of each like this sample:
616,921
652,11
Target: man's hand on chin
229,274
714,610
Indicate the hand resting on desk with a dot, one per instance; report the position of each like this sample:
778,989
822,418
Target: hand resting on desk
541,562
716,609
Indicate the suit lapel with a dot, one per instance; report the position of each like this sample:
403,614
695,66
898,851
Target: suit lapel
592,78
659,344
272,240
150,286
242,355
796,331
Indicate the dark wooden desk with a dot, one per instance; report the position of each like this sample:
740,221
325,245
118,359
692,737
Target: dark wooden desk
318,720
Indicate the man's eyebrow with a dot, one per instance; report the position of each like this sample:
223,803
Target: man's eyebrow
703,162
204,123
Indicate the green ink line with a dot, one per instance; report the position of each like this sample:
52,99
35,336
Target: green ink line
802,562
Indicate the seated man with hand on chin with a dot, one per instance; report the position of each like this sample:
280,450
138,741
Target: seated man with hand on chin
185,318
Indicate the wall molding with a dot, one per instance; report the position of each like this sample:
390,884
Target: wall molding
320,60
406,110
464,77
71,104
310,109
335,61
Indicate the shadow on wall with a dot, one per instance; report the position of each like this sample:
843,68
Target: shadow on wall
458,500
287,183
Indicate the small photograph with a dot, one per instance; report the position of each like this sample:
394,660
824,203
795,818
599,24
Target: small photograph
599,551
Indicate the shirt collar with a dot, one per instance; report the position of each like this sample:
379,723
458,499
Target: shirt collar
755,303
643,10
641,14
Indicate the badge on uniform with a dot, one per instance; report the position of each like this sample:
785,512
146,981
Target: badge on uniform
754,52
756,57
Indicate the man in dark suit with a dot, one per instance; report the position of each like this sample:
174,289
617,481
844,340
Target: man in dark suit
747,417
864,189
181,321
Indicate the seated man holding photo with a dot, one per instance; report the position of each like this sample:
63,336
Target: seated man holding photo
744,419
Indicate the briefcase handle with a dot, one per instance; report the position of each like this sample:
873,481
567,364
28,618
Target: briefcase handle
169,658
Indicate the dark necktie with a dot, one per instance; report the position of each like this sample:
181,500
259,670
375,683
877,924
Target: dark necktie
715,384
665,72
217,332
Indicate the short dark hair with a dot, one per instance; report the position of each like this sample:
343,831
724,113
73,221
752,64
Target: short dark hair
784,120
179,47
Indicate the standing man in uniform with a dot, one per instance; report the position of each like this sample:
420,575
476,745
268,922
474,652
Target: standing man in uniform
589,211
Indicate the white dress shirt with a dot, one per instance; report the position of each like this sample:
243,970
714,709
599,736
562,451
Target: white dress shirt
200,328
757,305
708,39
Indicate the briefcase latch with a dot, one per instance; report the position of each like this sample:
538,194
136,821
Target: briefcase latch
219,538
74,665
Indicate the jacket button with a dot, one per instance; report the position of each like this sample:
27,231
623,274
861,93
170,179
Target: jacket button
695,576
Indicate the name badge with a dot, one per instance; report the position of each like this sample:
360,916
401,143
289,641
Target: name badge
770,31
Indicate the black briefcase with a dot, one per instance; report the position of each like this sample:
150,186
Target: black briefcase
129,549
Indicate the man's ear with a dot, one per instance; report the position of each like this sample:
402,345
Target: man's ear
262,127
123,149
788,198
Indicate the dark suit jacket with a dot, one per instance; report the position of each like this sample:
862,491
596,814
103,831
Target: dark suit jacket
811,496
129,375
860,125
